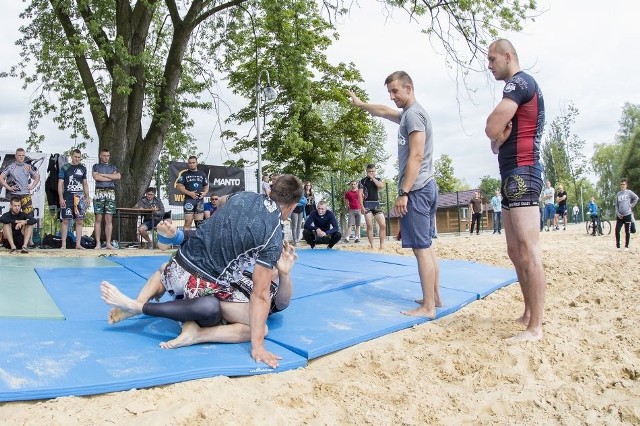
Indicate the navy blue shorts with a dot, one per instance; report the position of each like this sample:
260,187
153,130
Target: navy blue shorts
521,187
417,225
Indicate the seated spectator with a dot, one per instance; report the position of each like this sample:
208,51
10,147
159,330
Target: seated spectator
17,226
211,206
321,227
149,201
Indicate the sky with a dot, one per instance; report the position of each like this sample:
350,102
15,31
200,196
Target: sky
578,51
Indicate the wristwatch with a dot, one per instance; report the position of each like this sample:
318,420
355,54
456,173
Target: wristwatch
402,193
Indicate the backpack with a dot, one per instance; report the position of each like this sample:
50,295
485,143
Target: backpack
51,241
88,242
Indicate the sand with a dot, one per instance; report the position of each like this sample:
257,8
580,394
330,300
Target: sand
456,370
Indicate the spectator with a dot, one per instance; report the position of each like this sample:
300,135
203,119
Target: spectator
576,212
370,204
296,217
475,208
17,226
310,195
321,227
149,201
352,200
194,185
496,204
104,200
74,197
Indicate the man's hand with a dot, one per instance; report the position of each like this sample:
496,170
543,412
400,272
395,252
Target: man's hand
355,100
260,354
400,206
287,259
320,233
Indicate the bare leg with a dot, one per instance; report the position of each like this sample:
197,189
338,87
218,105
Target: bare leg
153,289
79,233
7,231
188,220
142,229
368,219
27,232
64,229
524,250
97,229
427,272
108,229
436,292
237,330
382,229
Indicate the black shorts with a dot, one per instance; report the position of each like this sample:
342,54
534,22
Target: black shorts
521,187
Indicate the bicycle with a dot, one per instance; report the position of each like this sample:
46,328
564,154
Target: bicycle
604,226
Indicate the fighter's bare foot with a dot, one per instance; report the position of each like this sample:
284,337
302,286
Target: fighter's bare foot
79,247
110,247
525,336
524,320
114,297
116,315
187,337
420,312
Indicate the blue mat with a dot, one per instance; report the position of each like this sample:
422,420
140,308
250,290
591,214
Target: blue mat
353,315
340,299
46,359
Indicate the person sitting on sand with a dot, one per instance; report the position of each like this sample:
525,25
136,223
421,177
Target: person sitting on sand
246,231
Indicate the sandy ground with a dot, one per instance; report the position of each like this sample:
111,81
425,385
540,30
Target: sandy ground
456,370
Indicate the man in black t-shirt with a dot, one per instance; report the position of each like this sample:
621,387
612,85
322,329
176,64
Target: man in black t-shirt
561,210
17,227
368,188
194,184
73,191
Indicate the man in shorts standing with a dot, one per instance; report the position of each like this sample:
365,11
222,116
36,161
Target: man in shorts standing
417,199
74,196
246,230
368,188
104,200
548,198
194,185
515,128
352,200
561,210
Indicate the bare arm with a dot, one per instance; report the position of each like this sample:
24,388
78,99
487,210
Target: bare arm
376,110
61,193
85,186
259,304
499,125
285,286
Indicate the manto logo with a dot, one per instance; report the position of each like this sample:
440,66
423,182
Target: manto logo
510,87
226,182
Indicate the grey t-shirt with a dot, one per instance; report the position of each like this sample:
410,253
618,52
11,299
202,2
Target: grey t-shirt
246,230
415,119
19,174
107,169
625,201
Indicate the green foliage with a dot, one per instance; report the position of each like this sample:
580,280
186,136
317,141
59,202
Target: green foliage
444,174
488,186
563,153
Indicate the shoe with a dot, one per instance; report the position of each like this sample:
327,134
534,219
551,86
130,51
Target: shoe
564,228
24,250
13,251
312,245
31,246
499,232
357,240
132,245
546,229
477,233
557,228
346,240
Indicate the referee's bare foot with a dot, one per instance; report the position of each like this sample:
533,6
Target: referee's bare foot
420,312
524,320
526,336
123,307
187,337
438,302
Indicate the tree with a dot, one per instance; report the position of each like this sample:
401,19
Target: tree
134,69
563,152
488,186
443,168
629,138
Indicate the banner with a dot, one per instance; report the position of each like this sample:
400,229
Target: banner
35,160
222,180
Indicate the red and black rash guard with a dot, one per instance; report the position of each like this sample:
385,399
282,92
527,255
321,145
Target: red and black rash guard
522,147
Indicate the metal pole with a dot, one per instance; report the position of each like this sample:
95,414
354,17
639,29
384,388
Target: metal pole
582,202
258,135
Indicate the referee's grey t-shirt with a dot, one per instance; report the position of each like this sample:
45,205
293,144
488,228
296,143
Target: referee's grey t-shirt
415,119
246,230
